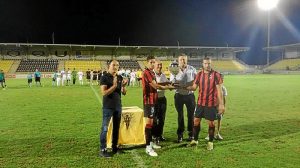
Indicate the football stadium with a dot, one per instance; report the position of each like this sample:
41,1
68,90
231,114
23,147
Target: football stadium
53,96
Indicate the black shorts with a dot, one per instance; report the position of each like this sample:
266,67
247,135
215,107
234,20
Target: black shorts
88,77
29,80
149,110
139,79
209,113
37,79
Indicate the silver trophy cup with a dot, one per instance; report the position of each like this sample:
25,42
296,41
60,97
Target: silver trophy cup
174,69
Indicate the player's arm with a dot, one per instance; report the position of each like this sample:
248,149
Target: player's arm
106,91
161,87
195,84
220,99
193,87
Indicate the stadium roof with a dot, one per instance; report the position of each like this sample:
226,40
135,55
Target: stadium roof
116,47
283,47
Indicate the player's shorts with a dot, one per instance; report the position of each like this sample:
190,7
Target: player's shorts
88,77
149,110
209,113
29,80
139,79
37,79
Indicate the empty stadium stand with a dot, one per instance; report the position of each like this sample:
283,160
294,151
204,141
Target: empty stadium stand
5,65
195,63
43,65
83,65
220,65
128,64
286,64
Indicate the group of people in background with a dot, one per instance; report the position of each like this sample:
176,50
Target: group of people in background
68,77
210,104
62,78
37,78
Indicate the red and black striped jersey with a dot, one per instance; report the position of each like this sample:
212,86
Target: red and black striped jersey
149,93
207,83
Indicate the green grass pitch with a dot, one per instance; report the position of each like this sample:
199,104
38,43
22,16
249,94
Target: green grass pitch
59,127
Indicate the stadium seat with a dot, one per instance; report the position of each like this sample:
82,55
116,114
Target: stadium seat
5,65
43,65
83,65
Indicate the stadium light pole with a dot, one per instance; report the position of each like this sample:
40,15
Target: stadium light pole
268,5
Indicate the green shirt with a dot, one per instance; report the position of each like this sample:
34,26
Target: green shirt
1,75
74,73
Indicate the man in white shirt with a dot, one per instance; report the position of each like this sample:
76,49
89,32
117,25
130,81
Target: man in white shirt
182,97
64,77
80,77
161,104
69,76
132,78
58,78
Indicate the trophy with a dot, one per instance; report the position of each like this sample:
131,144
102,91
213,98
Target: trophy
174,69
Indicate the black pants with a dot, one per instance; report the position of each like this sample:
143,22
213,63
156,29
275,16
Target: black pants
189,102
74,80
159,117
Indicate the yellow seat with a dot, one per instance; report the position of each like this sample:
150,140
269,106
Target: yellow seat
83,65
5,65
284,64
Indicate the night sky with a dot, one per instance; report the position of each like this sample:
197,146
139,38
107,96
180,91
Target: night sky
152,22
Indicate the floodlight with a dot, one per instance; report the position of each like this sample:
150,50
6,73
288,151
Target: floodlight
267,4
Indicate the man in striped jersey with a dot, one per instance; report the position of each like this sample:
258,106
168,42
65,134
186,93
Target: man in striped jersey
150,97
210,100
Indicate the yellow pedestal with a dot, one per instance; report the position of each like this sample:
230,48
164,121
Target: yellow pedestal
132,127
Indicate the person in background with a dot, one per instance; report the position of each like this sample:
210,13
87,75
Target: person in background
74,76
68,77
58,78
80,77
37,76
2,79
54,76
29,79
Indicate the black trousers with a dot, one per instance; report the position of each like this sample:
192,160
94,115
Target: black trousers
159,117
189,102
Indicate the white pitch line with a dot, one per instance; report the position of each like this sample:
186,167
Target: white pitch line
97,95
136,157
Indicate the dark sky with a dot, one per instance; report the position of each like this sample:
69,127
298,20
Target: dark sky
150,22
